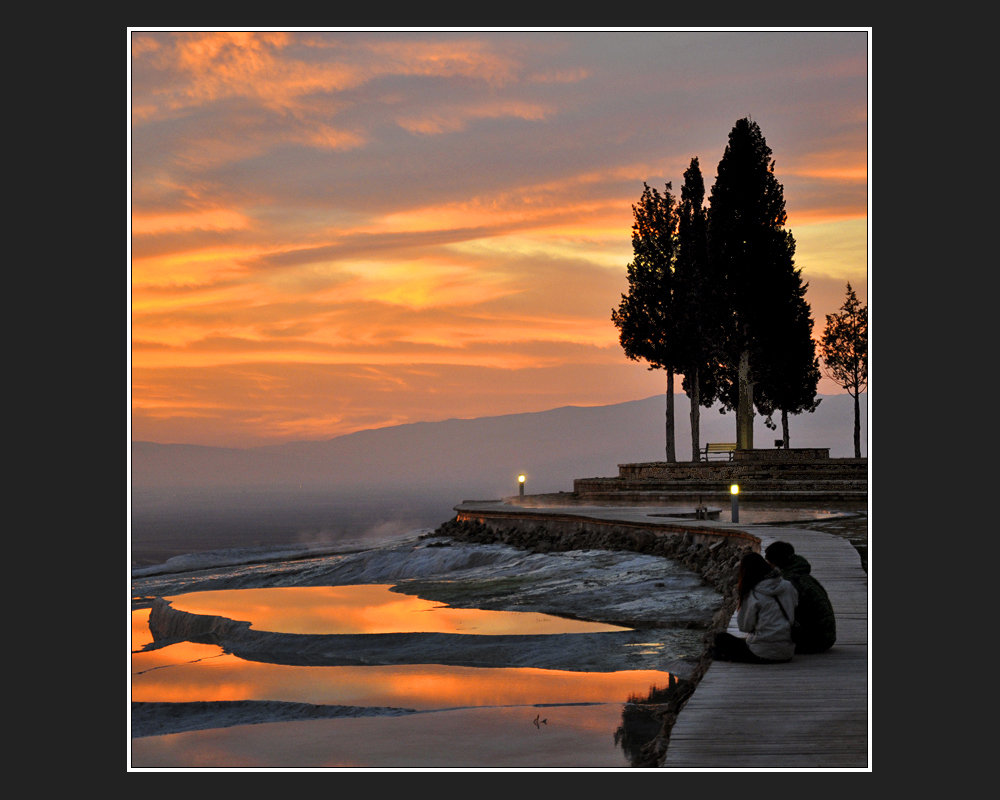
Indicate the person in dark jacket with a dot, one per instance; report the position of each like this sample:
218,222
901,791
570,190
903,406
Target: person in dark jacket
816,628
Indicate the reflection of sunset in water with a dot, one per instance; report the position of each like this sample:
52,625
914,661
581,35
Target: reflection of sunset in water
141,635
367,609
188,672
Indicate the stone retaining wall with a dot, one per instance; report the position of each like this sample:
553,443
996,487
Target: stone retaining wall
780,454
553,532
814,469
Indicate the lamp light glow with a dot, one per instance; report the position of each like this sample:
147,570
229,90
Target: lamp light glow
735,488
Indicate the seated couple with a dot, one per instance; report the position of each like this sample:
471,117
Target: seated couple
782,609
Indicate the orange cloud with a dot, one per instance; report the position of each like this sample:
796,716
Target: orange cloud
836,165
456,118
207,219
246,65
212,66
470,57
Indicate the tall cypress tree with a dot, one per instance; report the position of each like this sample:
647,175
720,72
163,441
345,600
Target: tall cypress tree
696,299
789,376
751,254
645,316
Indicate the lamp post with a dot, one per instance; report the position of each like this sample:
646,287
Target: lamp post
735,491
520,481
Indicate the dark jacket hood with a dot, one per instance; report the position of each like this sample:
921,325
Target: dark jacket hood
796,566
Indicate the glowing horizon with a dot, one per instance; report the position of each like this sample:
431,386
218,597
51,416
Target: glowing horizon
338,231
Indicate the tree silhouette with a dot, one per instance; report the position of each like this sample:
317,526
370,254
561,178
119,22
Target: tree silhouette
792,374
645,316
845,352
751,254
696,300
789,375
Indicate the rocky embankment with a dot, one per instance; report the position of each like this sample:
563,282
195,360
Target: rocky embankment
717,564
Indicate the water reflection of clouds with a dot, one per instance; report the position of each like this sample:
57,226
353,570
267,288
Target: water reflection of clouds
191,672
368,609
475,706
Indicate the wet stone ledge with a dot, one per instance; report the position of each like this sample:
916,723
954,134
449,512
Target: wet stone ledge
717,563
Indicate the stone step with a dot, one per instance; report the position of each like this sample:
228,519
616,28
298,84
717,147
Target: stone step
851,499
725,469
819,480
591,486
723,474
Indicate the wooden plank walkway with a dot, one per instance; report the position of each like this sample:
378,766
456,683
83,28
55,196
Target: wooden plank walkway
809,713
812,712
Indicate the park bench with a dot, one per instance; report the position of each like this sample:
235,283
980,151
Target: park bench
727,448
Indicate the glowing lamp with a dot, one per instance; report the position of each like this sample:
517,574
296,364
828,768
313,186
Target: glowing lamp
735,491
520,481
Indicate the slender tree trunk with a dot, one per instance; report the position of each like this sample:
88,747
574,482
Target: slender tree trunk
744,406
671,455
857,424
695,416
784,426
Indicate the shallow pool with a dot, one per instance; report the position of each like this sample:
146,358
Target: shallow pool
410,715
369,608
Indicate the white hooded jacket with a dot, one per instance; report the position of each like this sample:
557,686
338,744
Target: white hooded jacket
769,626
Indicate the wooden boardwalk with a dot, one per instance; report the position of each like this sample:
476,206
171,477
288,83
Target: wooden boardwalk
812,712
809,713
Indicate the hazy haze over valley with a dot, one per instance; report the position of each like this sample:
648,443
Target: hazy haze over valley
188,498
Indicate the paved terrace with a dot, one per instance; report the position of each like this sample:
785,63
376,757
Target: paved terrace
811,712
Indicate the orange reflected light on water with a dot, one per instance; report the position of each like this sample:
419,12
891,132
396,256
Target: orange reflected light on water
140,629
190,672
202,673
368,609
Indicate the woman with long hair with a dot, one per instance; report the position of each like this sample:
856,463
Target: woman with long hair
766,613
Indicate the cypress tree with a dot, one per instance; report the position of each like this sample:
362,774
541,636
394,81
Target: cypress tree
696,299
751,254
645,316
788,378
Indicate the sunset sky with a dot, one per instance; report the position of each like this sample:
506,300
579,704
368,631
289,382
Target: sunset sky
333,231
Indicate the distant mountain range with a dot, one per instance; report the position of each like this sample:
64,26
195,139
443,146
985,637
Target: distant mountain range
477,458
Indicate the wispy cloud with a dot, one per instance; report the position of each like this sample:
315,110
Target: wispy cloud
341,230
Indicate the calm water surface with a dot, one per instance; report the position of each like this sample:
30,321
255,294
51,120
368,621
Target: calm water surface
465,716
370,608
